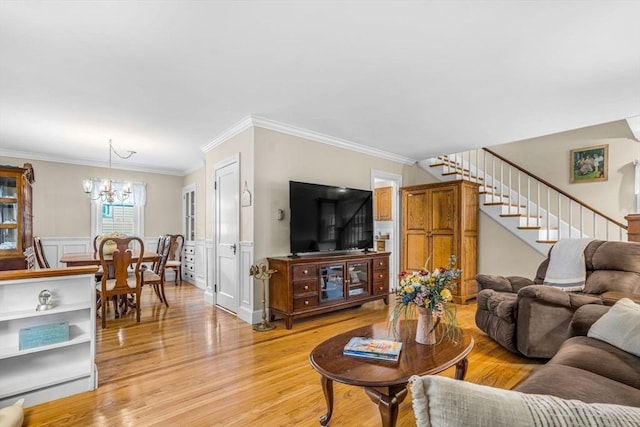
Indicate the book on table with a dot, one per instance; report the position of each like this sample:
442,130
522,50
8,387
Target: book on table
373,348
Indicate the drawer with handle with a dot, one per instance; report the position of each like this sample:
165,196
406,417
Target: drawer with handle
304,271
305,302
380,263
305,287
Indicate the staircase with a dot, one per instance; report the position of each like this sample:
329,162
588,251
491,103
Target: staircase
534,210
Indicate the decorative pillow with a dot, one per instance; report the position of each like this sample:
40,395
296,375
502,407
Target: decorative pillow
620,326
12,416
445,402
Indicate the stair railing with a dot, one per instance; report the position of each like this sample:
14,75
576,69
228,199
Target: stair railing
538,203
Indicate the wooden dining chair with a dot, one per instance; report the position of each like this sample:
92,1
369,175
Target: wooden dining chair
99,272
161,239
155,275
41,258
124,282
31,259
175,255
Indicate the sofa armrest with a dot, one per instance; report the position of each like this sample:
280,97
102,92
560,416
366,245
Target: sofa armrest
610,298
555,296
544,318
502,283
584,317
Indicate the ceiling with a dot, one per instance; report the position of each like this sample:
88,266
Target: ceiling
411,78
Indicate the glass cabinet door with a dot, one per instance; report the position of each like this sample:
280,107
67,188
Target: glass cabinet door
9,213
331,282
189,209
358,280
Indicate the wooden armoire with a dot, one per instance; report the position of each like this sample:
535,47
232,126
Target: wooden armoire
15,215
440,220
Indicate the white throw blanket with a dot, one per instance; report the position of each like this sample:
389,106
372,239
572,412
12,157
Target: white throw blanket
567,270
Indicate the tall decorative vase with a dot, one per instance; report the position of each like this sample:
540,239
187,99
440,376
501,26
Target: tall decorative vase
425,333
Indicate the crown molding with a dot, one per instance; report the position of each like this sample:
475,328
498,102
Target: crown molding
130,166
263,122
226,135
634,125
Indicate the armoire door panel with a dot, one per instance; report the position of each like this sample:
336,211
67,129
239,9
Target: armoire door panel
442,247
442,209
414,213
470,216
415,252
468,285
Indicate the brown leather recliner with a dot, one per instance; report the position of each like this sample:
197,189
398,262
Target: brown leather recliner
533,319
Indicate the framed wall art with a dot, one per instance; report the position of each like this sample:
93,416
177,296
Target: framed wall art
589,164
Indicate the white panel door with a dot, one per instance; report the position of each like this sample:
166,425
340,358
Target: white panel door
227,185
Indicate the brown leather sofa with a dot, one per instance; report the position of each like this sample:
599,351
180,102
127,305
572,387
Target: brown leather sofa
593,380
533,319
588,369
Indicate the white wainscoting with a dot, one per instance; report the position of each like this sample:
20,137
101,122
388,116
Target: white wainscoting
246,311
55,247
201,263
209,295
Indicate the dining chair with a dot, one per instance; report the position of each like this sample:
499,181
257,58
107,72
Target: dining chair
99,272
41,258
175,255
155,276
30,259
123,282
161,239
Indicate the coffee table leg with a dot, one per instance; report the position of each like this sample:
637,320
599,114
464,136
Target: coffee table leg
327,388
388,402
461,368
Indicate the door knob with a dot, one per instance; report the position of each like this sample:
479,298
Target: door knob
233,248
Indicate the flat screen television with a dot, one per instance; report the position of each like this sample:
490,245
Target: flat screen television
327,218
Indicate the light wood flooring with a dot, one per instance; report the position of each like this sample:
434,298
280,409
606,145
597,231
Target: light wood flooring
194,365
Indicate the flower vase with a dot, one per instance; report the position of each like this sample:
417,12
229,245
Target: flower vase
425,332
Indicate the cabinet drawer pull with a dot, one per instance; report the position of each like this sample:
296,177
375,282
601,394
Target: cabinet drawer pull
381,263
306,302
381,276
305,271
306,287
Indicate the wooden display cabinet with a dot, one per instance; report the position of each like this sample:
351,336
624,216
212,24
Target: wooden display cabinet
440,220
15,215
316,284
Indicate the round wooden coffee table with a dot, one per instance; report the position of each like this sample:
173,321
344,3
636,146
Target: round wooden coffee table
386,382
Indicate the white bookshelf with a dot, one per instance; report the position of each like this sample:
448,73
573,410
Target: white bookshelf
51,371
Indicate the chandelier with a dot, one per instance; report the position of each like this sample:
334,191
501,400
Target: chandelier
107,192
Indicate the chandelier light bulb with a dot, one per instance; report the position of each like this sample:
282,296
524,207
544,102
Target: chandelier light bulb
106,190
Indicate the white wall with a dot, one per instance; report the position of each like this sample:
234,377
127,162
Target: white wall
549,158
281,157
61,208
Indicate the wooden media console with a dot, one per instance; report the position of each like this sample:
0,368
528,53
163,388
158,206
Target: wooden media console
315,284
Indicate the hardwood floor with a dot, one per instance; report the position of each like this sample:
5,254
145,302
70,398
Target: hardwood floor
194,365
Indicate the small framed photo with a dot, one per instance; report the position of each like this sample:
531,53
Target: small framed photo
590,164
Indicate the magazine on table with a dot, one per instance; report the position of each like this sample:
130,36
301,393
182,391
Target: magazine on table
373,348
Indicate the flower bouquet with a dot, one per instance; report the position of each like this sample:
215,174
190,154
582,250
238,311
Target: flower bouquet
429,294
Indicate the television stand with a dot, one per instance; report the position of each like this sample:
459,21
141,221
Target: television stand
318,284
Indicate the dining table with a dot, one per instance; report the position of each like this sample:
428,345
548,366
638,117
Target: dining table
74,259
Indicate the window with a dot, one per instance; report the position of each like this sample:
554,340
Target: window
119,218
124,217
